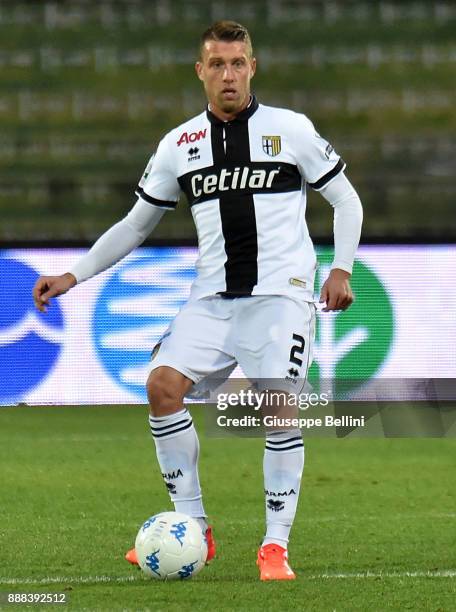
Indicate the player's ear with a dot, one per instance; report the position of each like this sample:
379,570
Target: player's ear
199,70
253,64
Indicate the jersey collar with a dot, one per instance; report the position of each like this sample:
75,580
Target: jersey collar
244,115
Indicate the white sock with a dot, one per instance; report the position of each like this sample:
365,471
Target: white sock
177,446
202,523
282,467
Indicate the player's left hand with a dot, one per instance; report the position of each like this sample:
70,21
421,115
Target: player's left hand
336,291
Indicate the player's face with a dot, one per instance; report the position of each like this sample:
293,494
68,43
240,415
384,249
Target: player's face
226,69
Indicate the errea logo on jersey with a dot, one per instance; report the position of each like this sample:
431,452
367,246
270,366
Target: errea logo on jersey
192,137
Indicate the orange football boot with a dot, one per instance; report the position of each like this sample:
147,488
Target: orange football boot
133,559
273,563
210,545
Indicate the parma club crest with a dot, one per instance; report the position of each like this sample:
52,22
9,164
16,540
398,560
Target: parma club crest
272,145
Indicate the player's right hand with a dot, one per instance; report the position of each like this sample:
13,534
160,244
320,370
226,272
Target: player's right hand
47,287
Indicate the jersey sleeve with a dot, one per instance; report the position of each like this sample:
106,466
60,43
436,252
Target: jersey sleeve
316,158
158,184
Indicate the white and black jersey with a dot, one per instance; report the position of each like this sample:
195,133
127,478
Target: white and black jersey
245,181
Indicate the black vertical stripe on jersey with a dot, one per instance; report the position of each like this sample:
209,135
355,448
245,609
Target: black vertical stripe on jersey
237,212
218,150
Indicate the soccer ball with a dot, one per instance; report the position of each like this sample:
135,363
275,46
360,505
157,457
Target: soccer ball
171,546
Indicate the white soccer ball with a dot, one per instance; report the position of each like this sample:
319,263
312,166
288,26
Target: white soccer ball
171,546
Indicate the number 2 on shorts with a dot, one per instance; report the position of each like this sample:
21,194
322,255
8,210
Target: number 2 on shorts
297,349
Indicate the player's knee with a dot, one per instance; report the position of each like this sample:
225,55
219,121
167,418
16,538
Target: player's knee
163,396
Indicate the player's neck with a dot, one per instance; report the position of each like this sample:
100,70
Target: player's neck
223,116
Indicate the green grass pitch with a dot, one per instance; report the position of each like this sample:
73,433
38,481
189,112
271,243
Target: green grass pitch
375,530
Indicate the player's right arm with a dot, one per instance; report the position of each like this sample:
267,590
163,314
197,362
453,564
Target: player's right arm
158,191
111,247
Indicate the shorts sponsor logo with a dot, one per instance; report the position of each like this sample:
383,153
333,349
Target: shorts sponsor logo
30,341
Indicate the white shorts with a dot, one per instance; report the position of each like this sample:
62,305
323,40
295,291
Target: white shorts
270,337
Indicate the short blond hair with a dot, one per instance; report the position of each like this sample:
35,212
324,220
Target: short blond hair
228,31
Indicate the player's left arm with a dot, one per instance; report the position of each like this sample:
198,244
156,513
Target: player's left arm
348,218
323,170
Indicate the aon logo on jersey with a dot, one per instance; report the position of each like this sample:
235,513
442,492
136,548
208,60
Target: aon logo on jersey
236,179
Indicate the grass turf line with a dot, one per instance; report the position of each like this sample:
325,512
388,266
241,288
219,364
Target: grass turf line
375,528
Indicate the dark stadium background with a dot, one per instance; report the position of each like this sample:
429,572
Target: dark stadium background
87,89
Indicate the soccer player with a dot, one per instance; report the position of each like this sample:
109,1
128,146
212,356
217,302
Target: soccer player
244,168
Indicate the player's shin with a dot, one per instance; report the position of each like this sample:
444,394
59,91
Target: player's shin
283,465
177,447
